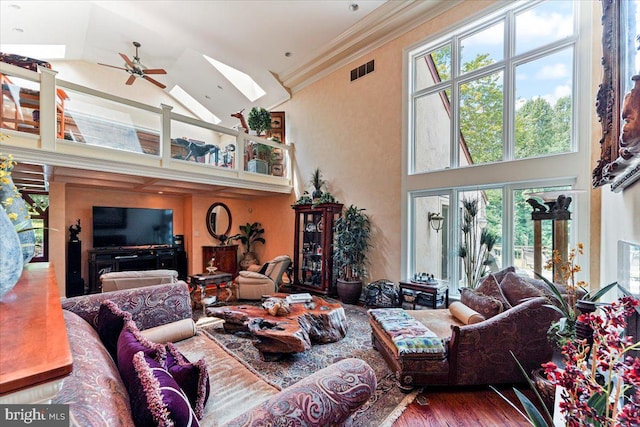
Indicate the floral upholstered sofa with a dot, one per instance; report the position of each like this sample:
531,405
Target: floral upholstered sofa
470,342
97,395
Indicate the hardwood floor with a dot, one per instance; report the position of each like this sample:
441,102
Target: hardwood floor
463,407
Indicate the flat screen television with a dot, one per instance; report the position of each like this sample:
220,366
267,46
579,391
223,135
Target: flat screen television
118,227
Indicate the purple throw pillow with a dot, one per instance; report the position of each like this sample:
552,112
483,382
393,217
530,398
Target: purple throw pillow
490,286
156,398
129,343
483,304
193,378
516,289
110,322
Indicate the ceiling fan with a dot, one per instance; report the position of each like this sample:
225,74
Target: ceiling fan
137,70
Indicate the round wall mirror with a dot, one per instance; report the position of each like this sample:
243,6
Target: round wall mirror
218,220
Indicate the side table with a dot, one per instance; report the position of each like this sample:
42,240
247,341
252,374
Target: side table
203,280
435,293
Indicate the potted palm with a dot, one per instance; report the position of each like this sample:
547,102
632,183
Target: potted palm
250,234
317,181
352,234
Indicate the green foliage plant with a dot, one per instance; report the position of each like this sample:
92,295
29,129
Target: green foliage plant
259,120
249,235
352,240
476,245
326,197
305,199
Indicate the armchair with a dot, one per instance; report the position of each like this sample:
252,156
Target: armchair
252,284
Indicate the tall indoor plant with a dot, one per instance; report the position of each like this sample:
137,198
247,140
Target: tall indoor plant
476,245
352,235
249,234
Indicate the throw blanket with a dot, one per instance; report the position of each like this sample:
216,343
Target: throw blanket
408,334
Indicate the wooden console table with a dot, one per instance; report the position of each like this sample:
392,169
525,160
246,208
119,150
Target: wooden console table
435,293
34,349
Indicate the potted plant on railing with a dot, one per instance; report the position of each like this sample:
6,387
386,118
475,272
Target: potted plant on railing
259,120
352,234
250,234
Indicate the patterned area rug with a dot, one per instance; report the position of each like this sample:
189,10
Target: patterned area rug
381,410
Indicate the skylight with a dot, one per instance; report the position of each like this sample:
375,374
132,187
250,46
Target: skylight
194,106
243,82
40,51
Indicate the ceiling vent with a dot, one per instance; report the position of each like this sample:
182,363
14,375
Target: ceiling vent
362,70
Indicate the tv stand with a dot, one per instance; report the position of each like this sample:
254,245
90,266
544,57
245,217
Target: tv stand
106,260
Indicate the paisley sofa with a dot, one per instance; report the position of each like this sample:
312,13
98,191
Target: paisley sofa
98,397
470,342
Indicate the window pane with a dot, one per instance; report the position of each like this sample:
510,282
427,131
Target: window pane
432,132
430,250
481,120
544,24
482,48
480,234
38,226
523,238
544,105
433,67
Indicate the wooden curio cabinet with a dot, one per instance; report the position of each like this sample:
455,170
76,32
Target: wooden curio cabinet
313,250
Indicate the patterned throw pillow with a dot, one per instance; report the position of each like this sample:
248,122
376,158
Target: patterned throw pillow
129,343
515,288
483,304
490,286
193,378
156,398
110,322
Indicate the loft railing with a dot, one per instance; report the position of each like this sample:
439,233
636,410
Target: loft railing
96,130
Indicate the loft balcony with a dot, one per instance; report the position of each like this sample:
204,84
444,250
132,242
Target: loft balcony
92,135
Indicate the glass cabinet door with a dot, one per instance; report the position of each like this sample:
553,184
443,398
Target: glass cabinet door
310,245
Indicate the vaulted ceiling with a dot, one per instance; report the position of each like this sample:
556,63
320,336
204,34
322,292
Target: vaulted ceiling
282,44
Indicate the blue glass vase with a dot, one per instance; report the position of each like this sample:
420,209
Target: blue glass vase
10,254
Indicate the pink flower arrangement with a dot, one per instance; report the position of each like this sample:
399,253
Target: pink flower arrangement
601,383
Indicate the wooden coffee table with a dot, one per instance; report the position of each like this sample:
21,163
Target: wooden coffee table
319,321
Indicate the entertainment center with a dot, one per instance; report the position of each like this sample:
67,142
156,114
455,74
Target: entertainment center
106,260
129,239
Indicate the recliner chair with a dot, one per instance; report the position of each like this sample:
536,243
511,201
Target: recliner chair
252,284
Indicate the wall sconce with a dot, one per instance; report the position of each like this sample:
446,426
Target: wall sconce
435,220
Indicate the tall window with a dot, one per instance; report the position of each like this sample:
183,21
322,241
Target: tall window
487,104
496,90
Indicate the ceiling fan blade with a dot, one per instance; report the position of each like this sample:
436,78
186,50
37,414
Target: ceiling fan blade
155,82
131,79
112,66
155,71
127,60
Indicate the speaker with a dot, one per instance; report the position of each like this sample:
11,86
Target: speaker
178,242
181,257
75,282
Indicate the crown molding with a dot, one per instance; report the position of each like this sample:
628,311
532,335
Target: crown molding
384,24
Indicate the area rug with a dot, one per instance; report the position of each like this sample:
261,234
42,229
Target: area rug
382,409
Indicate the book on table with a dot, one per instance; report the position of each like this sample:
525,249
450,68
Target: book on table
297,298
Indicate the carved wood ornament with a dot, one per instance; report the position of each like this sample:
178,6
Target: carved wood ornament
619,163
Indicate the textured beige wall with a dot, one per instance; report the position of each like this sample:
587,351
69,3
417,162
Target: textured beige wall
353,132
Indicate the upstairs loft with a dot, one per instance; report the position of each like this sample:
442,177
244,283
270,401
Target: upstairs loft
47,121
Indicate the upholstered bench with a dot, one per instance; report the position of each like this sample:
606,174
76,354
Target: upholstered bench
412,363
470,342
